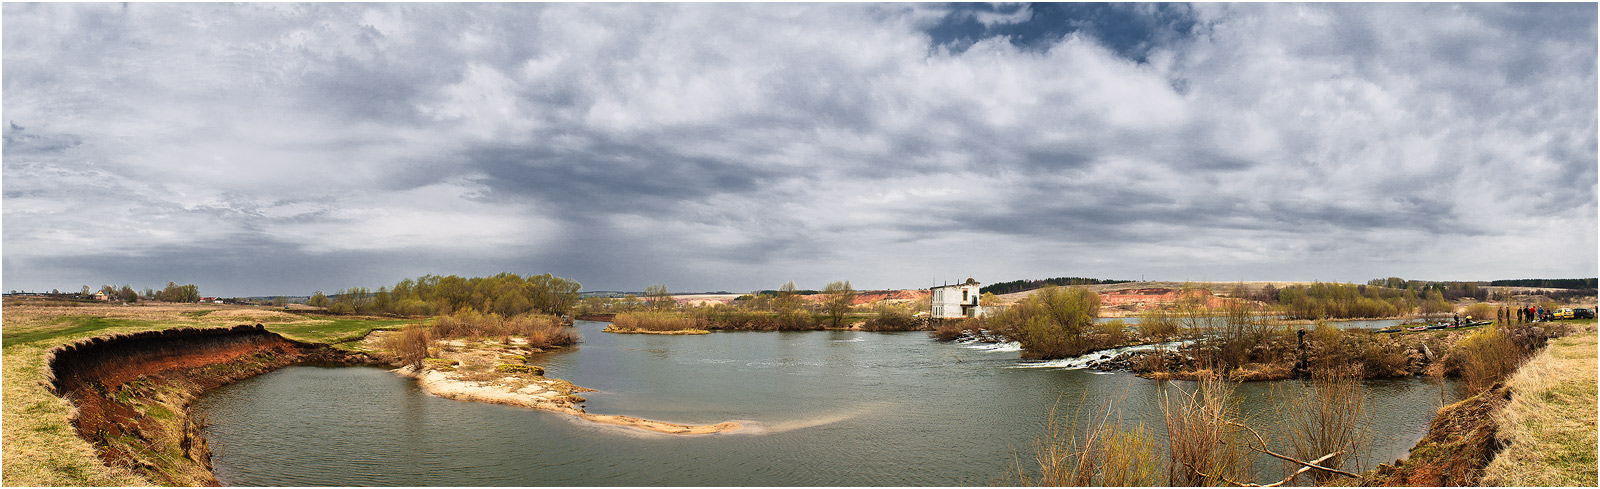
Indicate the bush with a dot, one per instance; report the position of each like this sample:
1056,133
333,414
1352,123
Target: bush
540,330
411,345
737,320
1329,418
1157,325
1203,450
1051,323
891,319
652,321
1484,358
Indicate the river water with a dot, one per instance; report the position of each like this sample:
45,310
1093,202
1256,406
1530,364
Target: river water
822,408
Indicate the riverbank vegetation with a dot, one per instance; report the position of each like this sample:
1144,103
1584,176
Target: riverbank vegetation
1549,425
506,294
1207,442
783,309
654,322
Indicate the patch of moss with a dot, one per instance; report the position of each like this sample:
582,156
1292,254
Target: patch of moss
519,369
440,363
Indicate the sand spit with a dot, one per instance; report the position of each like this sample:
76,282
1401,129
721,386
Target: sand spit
537,392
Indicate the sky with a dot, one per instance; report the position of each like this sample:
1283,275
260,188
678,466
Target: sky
264,149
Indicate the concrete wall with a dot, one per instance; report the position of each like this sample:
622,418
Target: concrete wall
948,301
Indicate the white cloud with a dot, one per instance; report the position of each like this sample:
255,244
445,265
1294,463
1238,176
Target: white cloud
785,135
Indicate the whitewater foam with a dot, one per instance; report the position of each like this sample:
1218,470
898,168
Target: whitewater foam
1083,361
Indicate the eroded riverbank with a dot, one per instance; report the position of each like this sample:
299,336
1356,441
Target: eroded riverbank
131,393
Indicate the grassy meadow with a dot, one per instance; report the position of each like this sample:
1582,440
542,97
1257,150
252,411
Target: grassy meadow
1550,424
40,447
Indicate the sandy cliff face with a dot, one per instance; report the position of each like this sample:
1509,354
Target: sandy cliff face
131,392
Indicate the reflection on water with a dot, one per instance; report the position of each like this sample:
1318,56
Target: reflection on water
823,408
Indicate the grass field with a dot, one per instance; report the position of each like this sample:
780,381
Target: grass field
1550,424
40,447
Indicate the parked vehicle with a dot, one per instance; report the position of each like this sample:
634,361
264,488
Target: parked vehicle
1563,313
1583,313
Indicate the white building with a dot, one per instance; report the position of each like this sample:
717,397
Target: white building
956,301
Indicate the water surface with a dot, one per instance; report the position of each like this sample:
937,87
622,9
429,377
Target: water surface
823,408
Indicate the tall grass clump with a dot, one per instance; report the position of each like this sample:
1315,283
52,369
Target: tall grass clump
1084,449
1203,448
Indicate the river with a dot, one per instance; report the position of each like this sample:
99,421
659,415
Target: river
821,408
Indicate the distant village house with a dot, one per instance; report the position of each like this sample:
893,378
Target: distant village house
956,301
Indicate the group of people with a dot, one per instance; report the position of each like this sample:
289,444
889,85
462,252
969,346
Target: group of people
1525,314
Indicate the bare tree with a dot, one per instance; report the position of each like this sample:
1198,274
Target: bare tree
840,297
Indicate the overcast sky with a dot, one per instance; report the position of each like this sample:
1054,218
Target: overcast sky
267,149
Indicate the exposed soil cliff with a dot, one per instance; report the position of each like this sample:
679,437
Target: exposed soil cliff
131,392
1459,444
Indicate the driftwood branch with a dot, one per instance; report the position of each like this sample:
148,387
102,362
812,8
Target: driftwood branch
1307,465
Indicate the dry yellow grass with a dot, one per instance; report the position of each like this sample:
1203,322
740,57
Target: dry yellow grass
1550,425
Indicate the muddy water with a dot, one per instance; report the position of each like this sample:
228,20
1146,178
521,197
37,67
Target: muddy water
823,408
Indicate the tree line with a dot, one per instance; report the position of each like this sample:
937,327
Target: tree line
172,293
783,309
1547,283
1026,285
505,294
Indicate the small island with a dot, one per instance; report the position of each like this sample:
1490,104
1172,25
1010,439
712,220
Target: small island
497,372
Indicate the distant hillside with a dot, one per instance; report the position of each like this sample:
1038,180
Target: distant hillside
1026,285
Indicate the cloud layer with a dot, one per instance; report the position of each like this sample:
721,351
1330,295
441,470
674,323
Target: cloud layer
282,148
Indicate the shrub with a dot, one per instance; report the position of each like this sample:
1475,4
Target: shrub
411,345
1051,323
953,330
1484,358
1095,452
1157,325
541,331
1202,448
652,321
1329,418
892,320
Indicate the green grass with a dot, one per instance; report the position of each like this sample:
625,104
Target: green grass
70,327
335,331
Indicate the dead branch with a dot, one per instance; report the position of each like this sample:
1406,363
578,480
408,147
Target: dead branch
1308,465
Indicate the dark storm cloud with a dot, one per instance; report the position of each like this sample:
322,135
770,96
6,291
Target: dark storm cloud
283,148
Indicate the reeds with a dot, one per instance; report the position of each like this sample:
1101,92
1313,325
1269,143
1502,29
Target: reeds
1088,449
